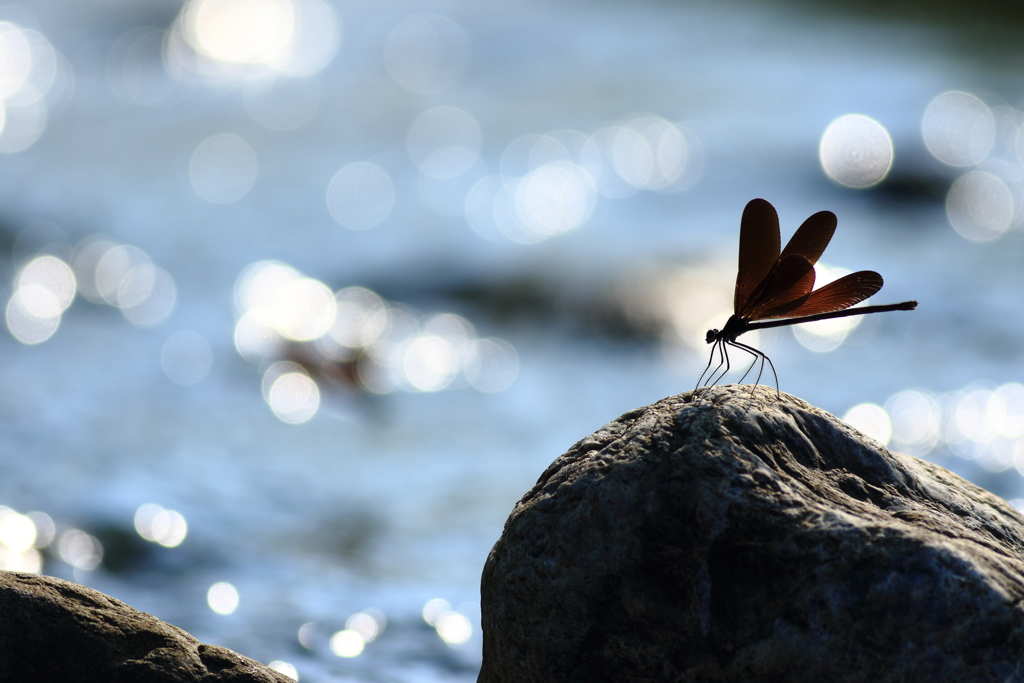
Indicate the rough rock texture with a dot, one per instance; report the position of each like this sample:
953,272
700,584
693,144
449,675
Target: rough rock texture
55,630
752,538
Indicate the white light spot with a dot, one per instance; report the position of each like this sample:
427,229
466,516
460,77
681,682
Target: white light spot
958,128
1011,397
980,206
259,284
33,314
241,31
435,608
80,550
52,274
166,527
872,420
159,300
223,168
553,199
360,195
304,309
368,625
454,628
284,668
361,317
256,337
347,644
17,532
294,398
916,421
856,151
222,598
430,363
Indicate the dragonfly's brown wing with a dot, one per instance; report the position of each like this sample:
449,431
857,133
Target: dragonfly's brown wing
759,251
835,296
785,288
812,237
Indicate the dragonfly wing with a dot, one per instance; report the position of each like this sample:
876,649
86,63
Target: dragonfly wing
786,287
812,237
759,250
838,295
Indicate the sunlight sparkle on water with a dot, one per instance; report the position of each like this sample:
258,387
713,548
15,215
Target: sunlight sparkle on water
980,422
222,597
30,68
958,128
238,40
870,419
980,206
124,277
294,397
856,151
79,549
284,668
43,290
155,524
19,540
368,624
347,643
356,339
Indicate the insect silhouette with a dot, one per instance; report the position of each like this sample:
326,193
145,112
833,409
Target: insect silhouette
778,288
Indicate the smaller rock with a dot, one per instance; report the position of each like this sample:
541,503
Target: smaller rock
55,630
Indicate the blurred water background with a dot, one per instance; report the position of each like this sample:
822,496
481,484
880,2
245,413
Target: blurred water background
301,296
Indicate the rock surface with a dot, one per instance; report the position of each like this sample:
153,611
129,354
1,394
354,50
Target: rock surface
747,538
55,630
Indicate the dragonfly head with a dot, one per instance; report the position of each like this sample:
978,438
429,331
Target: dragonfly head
711,336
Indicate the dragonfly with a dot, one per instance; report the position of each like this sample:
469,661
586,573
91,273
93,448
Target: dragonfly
775,289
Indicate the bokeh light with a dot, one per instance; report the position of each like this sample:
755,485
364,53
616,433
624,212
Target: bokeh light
43,290
823,336
30,69
980,206
368,624
19,539
347,644
285,668
870,419
958,128
293,395
155,524
222,597
80,549
856,151
232,41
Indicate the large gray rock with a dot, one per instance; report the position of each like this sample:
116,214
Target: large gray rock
53,630
752,538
